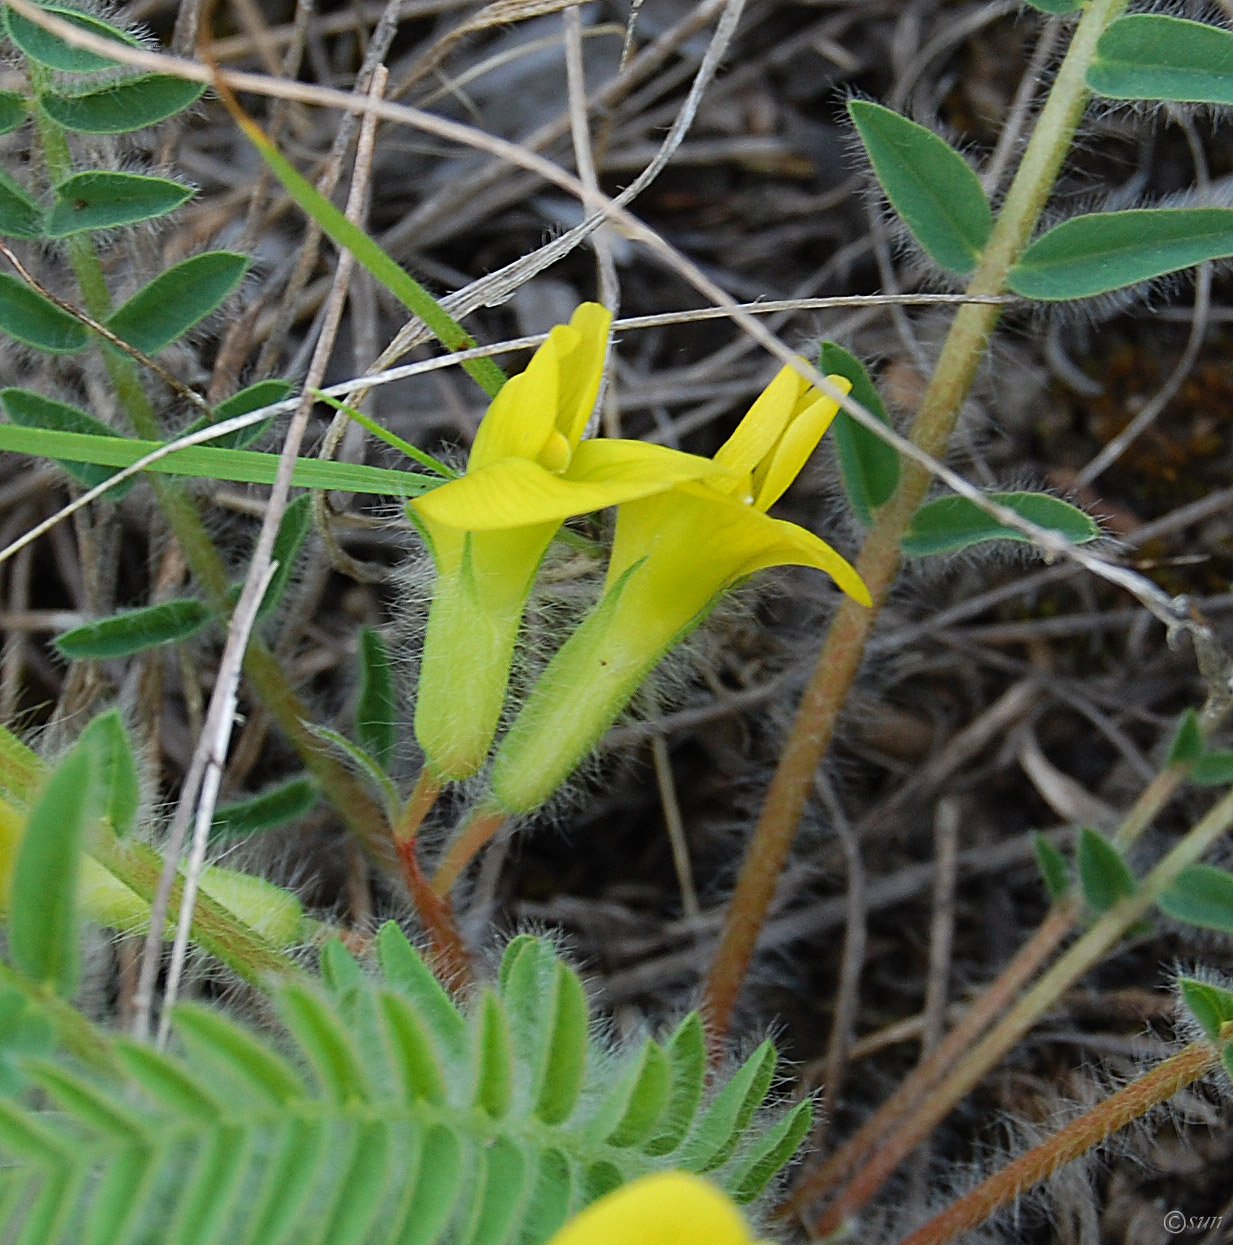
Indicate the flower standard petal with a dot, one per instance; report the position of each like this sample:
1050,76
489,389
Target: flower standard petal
582,369
800,438
522,417
667,1208
763,424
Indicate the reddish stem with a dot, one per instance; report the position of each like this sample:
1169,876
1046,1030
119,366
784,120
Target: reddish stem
1078,1137
437,917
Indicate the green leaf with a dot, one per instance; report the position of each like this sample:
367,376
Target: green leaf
718,1130
254,398
551,1198
1213,769
415,1057
362,1185
503,1192
134,631
20,214
47,49
1103,251
647,1098
24,1031
241,466
440,1182
769,1154
167,1081
1151,56
177,299
118,108
376,718
99,1109
214,1039
494,1062
105,200
286,802
33,320
320,1032
32,410
1103,874
1187,743
43,902
951,523
1054,870
928,183
296,521
119,785
363,763
406,972
567,1049
1056,6
1211,1006
869,467
13,111
686,1051
1201,895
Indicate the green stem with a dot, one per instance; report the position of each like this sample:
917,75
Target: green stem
1069,968
878,563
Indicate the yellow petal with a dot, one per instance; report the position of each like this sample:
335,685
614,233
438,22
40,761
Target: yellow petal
668,1208
581,369
523,414
757,434
518,492
799,440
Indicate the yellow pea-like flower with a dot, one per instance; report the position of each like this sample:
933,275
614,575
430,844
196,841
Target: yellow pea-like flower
674,554
528,471
668,1208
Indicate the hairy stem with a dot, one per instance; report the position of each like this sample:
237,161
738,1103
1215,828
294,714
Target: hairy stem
1082,956
1078,1137
878,563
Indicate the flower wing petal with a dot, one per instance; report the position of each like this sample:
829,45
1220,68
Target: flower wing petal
517,492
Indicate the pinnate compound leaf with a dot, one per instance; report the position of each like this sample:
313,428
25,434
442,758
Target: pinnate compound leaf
20,213
1210,1005
686,1050
869,467
412,1049
928,183
1103,251
948,524
121,107
31,410
118,781
1103,874
567,1049
406,972
134,631
238,1054
376,718
493,1059
286,802
1213,769
13,111
319,1031
105,200
719,1128
1187,743
1054,871
33,320
47,49
178,299
770,1153
43,916
1151,56
1201,895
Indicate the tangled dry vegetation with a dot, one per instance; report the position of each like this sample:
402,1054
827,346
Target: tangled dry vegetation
1001,695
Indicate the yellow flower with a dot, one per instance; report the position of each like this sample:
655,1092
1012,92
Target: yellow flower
668,1208
673,556
528,471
